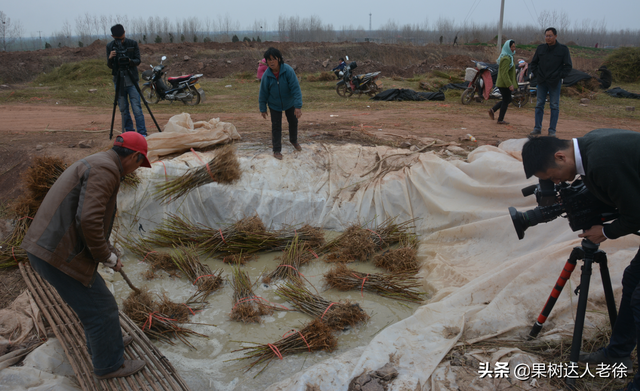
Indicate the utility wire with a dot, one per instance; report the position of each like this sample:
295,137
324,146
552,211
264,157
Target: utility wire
471,9
529,11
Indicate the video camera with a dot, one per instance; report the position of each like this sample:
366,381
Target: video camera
122,57
583,209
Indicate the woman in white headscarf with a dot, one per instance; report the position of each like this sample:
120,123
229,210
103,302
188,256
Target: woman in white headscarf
506,81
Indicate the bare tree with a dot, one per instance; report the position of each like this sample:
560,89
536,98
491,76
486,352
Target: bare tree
10,31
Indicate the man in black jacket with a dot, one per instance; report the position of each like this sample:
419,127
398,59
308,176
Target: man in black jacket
608,161
551,63
123,54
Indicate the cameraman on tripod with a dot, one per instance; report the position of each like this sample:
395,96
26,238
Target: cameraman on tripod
609,162
123,58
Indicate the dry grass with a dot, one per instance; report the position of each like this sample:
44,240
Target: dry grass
223,168
248,307
395,286
338,316
400,260
315,336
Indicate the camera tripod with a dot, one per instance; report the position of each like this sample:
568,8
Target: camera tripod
119,83
588,252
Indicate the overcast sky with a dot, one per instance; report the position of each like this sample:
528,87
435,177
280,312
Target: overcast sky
47,16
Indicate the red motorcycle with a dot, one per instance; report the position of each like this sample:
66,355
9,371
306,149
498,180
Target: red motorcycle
183,88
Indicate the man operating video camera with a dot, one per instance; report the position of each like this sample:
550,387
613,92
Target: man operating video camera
123,57
608,160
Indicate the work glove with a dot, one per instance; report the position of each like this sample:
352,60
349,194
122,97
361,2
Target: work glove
113,260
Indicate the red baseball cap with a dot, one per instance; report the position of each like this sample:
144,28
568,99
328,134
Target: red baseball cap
135,142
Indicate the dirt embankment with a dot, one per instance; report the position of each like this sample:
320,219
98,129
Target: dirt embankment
217,60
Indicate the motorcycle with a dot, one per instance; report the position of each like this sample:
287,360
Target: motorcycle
476,84
359,84
182,88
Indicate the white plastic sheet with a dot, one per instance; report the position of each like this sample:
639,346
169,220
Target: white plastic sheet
181,133
484,282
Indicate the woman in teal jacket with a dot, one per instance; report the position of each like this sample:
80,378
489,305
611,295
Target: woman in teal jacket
280,90
506,81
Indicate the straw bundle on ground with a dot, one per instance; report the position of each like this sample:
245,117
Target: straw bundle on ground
358,242
289,267
207,282
247,307
158,260
223,168
400,260
177,231
147,314
131,180
395,286
337,315
38,178
315,336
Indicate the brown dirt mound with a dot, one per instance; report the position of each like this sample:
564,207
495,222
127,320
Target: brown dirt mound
457,61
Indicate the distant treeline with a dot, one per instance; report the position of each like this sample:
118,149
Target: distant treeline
88,28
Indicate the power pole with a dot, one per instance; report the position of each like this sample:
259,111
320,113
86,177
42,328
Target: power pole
500,28
369,23
40,37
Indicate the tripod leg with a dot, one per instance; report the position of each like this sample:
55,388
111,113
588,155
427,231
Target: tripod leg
601,258
115,104
576,254
145,102
576,342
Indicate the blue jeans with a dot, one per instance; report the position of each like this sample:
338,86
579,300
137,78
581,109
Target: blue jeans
123,105
554,103
98,311
627,328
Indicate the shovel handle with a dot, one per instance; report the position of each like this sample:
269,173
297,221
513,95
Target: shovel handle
124,276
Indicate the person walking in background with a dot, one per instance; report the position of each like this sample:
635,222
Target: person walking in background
115,61
262,67
551,63
506,81
280,90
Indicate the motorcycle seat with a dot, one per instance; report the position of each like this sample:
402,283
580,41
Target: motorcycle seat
178,79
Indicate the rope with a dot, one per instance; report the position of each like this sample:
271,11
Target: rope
25,217
145,257
225,242
325,311
275,350
192,313
204,275
314,254
305,341
166,178
205,164
363,280
293,269
150,320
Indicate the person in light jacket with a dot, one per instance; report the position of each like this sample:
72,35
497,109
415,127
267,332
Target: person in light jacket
280,90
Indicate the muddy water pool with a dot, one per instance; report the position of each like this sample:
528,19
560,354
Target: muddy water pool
208,367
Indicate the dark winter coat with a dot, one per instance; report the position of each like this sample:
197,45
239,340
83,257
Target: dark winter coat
550,64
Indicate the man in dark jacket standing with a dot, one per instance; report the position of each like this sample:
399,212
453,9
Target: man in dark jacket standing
608,161
124,54
69,238
551,63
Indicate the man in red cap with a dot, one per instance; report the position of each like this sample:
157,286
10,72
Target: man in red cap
69,238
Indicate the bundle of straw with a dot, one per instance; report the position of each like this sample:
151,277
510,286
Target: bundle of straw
395,286
38,178
358,242
223,168
288,269
156,324
400,260
207,282
177,231
338,316
315,336
159,260
248,307
131,180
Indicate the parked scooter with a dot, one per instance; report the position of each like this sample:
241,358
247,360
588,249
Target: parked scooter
182,88
476,84
359,84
